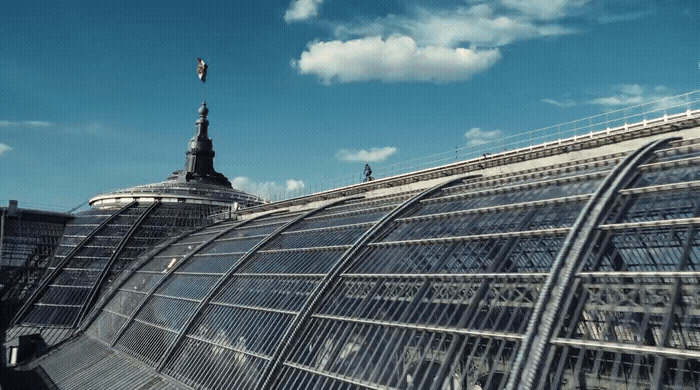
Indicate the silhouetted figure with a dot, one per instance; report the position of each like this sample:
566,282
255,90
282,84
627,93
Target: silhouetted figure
368,173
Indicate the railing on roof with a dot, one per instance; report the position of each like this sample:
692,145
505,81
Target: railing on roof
605,122
32,206
175,189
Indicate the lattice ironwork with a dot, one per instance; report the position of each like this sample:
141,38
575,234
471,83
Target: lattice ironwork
435,290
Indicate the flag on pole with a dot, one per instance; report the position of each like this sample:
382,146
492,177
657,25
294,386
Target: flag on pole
201,69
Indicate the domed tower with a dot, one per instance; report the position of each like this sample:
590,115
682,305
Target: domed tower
199,163
198,183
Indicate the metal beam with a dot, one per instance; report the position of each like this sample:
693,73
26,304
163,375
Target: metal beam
531,353
170,272
423,328
99,282
3,215
291,333
229,273
694,221
632,349
143,258
460,277
475,237
344,379
522,186
469,315
499,208
667,326
52,274
641,274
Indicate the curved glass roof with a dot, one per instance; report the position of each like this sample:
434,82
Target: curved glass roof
95,247
174,191
580,274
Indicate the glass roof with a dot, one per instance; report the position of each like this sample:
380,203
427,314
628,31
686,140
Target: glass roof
453,287
96,246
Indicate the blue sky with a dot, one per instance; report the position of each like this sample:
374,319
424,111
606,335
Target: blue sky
99,95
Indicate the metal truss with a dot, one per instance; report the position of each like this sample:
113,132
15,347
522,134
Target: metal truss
52,275
99,282
530,356
291,333
579,275
223,279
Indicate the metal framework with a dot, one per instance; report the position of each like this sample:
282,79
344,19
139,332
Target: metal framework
27,241
99,282
578,275
55,269
96,246
292,332
568,259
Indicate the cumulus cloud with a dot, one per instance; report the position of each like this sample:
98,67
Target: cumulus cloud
26,124
302,10
437,43
478,137
427,44
294,185
4,149
362,155
267,189
396,58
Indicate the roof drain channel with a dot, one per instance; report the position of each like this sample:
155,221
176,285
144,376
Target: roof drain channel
574,248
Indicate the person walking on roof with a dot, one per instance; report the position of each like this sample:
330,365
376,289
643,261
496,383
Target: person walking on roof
368,173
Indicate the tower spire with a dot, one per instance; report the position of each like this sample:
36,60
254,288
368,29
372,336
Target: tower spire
199,159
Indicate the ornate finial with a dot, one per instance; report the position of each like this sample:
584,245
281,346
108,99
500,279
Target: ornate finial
203,110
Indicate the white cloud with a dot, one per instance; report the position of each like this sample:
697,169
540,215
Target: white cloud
396,58
90,128
267,189
294,185
479,30
478,137
477,25
25,124
4,149
626,95
362,155
438,45
544,9
623,95
302,10
559,103
627,16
